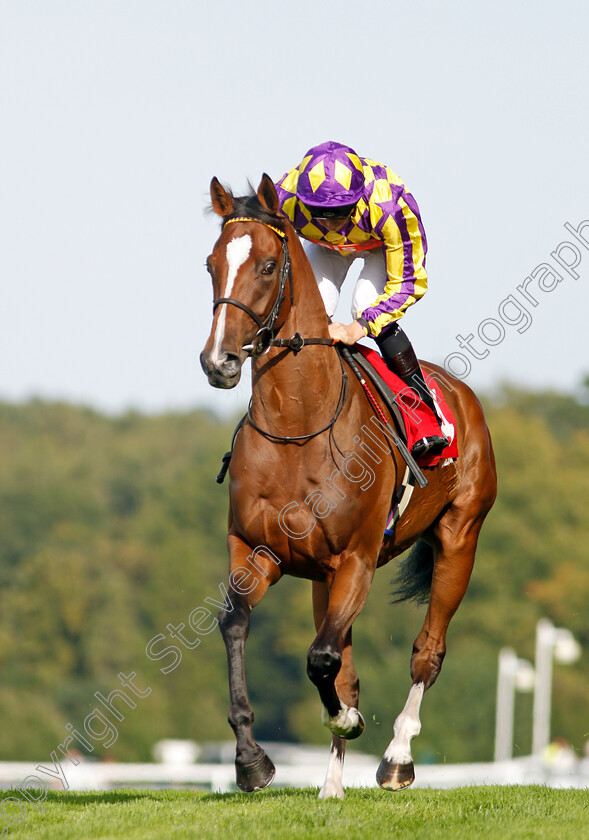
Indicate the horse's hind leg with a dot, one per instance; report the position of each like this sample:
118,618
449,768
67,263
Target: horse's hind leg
396,770
347,687
247,585
455,547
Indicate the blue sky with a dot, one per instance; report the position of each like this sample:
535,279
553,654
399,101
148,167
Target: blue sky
115,116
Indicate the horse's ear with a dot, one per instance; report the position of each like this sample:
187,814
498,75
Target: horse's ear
267,195
221,200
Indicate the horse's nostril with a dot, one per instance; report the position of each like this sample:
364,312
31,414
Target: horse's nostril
230,364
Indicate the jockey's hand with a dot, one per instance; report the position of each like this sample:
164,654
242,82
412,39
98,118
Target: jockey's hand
347,333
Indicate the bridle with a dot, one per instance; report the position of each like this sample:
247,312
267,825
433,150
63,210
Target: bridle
265,334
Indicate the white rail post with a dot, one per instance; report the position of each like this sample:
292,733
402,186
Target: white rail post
560,643
513,673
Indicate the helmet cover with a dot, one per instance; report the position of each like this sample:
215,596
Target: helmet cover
330,175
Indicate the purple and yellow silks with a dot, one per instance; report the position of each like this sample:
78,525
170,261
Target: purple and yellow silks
386,215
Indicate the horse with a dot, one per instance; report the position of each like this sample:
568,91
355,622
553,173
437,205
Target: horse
310,489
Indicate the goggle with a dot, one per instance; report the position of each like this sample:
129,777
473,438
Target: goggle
329,213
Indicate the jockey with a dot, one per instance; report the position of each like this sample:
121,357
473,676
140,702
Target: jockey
349,208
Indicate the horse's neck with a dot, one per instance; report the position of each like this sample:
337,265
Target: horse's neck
307,316
302,389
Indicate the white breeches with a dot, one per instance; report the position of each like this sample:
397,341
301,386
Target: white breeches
331,267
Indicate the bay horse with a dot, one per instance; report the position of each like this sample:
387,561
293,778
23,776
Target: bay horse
303,501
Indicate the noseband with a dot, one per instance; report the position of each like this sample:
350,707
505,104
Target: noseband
266,326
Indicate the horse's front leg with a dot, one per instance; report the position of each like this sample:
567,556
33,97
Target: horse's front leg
248,581
347,593
348,689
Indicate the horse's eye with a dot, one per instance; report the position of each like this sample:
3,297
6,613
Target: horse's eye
269,268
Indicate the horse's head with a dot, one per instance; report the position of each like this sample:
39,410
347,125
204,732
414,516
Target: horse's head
248,266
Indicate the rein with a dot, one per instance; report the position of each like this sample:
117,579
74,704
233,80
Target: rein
288,438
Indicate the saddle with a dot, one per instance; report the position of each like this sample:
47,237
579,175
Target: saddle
403,403
410,413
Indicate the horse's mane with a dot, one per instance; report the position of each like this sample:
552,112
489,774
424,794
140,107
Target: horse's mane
249,206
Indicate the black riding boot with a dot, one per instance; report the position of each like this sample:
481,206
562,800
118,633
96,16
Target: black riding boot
400,357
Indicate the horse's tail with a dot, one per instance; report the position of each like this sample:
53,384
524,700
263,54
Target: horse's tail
413,580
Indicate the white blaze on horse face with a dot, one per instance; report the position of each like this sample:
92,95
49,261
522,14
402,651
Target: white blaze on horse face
236,254
406,727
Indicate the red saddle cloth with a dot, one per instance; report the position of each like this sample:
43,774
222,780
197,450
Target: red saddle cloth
419,420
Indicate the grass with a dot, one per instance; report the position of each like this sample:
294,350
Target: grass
475,812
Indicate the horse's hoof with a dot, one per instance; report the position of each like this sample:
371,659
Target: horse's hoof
254,776
331,791
395,776
348,724
356,730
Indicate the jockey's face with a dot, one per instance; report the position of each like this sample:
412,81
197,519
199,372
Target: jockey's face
332,218
335,223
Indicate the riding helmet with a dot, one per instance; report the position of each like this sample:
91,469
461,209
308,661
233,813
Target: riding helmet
330,175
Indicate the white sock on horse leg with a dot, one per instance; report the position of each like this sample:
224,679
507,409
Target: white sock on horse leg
333,785
406,727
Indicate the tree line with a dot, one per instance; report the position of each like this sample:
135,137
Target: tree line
112,534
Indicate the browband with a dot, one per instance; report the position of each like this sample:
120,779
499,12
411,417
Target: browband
276,230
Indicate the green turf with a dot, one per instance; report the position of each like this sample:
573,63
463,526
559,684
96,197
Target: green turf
477,812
